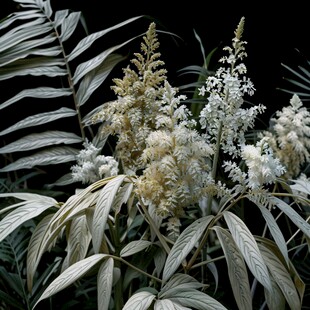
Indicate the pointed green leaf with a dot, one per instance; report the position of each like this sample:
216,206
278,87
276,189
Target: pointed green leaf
237,270
27,48
53,156
39,119
29,30
68,25
293,216
248,247
70,275
34,249
79,239
93,63
197,300
38,140
95,78
135,247
184,244
89,40
275,299
104,283
139,301
282,277
179,282
103,207
22,214
167,304
275,231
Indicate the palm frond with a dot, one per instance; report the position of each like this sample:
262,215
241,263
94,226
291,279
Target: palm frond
41,48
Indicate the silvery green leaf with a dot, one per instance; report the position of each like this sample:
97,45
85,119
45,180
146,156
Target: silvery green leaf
275,231
66,179
39,119
275,299
23,33
179,282
38,140
52,156
27,48
184,244
167,304
21,15
96,77
68,25
104,283
87,66
159,260
139,301
302,224
22,214
248,247
237,270
103,207
34,248
197,300
134,247
282,277
85,43
59,17
78,242
70,275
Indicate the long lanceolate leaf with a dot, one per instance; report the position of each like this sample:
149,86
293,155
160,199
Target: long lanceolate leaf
282,277
30,209
70,275
184,244
237,271
103,207
139,301
293,216
248,247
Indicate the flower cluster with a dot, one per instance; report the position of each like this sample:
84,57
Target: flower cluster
223,114
176,160
133,116
91,166
289,136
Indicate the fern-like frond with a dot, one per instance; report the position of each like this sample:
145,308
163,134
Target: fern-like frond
40,48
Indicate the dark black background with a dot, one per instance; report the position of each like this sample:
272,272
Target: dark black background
273,32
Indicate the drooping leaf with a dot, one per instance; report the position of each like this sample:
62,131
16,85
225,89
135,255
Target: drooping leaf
282,277
275,299
139,301
34,249
68,25
78,242
303,225
135,247
104,283
275,231
96,77
22,214
237,270
38,140
85,43
184,244
70,275
167,304
179,282
103,207
52,156
197,300
96,61
248,247
39,119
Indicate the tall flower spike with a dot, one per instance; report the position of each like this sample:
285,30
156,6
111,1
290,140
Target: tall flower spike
133,115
